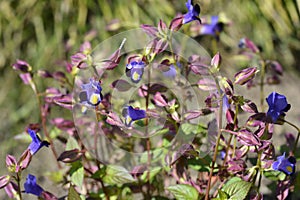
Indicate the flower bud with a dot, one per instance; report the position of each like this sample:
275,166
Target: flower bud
215,63
245,75
11,163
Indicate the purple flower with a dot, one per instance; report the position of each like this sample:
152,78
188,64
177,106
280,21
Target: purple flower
91,93
135,70
132,114
193,12
31,186
277,106
286,165
36,143
214,28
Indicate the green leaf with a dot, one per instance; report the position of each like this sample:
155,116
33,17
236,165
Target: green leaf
72,144
274,175
189,128
117,175
77,173
221,195
236,188
153,173
156,155
73,195
183,192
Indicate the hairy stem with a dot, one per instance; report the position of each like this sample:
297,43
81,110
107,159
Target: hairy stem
218,139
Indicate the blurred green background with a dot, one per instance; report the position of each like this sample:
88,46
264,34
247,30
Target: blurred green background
47,32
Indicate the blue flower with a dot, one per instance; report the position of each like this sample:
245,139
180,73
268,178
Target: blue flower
91,93
214,28
132,114
277,106
171,72
135,70
36,142
31,186
286,165
193,12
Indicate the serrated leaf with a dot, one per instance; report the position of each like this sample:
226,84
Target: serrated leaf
117,175
183,192
73,195
236,188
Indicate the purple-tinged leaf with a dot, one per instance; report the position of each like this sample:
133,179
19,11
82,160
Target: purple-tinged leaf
138,170
11,190
79,60
114,119
160,46
282,190
113,61
157,88
207,84
162,27
256,119
193,114
150,30
121,85
64,101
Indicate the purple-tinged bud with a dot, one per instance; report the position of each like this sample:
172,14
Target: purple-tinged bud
160,100
245,75
249,107
22,66
256,120
176,23
44,74
273,80
11,163
70,156
246,43
60,76
25,159
113,25
275,67
4,180
215,63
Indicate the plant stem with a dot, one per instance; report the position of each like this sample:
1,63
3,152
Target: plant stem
44,124
298,135
218,139
19,186
262,78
